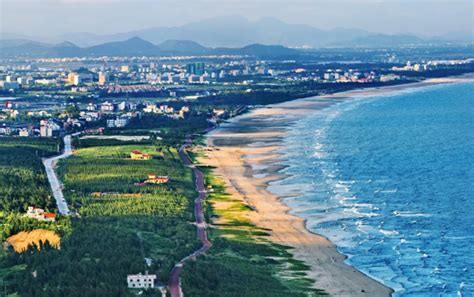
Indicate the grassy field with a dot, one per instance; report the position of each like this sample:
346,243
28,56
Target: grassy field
242,261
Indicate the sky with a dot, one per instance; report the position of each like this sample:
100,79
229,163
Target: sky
48,18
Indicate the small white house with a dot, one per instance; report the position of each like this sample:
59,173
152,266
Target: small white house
141,280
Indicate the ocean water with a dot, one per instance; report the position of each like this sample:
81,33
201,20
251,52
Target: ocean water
390,180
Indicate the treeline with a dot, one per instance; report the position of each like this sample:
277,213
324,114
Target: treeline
277,94
92,142
96,258
23,180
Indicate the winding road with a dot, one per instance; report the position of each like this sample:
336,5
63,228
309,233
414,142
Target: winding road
56,186
174,282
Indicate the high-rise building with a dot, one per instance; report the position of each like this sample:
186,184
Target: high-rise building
125,68
71,77
195,68
103,78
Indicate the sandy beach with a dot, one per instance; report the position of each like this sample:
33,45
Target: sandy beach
244,152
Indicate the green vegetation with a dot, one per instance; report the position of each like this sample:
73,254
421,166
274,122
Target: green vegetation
118,225
23,181
165,130
242,262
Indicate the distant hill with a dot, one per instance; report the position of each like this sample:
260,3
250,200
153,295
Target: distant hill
231,31
5,43
237,32
19,46
135,46
66,49
182,46
258,50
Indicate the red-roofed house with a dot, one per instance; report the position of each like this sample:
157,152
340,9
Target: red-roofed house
40,215
154,179
137,155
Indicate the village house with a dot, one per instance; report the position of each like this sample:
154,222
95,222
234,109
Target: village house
141,280
25,132
40,215
157,179
137,155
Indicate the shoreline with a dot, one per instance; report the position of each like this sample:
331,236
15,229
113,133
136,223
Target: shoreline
245,154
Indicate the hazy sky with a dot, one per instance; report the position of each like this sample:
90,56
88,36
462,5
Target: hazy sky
53,17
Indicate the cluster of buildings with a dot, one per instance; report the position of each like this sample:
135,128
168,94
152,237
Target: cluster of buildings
130,75
46,128
40,215
49,128
108,114
339,76
431,65
166,110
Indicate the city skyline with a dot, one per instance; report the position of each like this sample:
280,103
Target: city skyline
390,17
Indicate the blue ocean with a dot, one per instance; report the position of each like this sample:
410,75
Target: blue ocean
390,180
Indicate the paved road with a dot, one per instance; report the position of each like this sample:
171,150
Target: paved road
54,182
174,282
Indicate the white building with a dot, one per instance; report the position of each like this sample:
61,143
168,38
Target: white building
50,129
25,132
141,280
122,105
91,107
118,122
40,215
107,106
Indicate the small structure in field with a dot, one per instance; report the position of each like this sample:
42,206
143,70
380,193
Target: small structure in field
137,155
40,215
154,179
141,280
157,179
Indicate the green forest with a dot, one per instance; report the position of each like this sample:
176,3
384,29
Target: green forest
23,181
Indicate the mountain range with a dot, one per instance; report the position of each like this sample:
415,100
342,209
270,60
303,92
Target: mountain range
230,34
135,46
237,31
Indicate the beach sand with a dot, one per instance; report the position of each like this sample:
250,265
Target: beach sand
245,155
